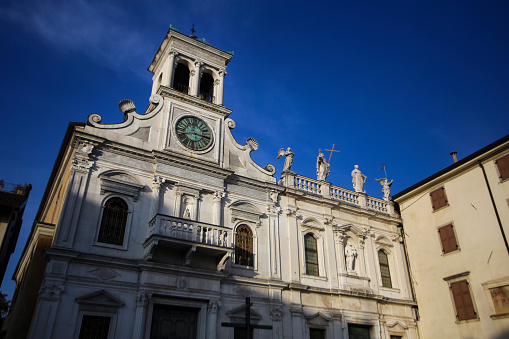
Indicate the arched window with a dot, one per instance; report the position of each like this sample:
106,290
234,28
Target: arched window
384,269
244,246
113,222
206,87
181,79
311,254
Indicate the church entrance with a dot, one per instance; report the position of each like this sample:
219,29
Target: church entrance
358,332
174,322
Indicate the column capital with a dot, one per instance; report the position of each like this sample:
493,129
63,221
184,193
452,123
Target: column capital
142,299
213,306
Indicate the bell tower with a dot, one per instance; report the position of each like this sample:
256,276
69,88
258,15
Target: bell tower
191,66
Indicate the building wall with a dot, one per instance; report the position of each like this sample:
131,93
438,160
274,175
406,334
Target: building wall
482,257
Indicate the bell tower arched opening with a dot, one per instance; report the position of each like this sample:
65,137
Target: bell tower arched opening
207,87
181,80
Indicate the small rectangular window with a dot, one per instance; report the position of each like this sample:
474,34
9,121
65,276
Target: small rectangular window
448,238
463,300
94,327
438,198
503,167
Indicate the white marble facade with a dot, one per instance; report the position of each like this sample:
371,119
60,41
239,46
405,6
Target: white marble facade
186,210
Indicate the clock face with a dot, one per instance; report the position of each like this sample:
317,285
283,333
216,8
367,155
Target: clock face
194,133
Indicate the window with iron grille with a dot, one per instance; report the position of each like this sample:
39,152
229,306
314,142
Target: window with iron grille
463,300
94,327
113,222
384,269
311,254
438,198
503,167
244,246
316,333
448,239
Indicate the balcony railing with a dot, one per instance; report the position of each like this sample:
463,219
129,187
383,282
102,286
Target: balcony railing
190,231
343,195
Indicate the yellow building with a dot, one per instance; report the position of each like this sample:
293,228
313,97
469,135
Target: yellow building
456,224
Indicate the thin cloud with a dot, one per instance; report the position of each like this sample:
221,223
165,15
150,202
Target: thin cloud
99,30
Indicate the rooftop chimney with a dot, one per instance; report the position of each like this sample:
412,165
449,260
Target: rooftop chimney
454,157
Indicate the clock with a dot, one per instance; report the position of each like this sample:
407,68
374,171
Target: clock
193,133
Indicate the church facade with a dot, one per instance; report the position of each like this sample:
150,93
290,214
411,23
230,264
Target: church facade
162,225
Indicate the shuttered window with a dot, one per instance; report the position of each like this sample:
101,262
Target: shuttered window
463,300
244,246
448,239
438,198
384,269
503,167
311,254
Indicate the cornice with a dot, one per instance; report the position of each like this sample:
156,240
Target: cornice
196,165
167,92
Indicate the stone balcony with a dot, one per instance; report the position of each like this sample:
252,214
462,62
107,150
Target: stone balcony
186,242
343,195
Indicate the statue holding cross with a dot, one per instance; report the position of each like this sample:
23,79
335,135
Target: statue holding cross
322,166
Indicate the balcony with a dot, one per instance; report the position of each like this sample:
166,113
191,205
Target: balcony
186,242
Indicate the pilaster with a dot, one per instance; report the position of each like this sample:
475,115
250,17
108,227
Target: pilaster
141,309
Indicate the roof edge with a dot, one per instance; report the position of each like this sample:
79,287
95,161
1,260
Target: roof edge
452,167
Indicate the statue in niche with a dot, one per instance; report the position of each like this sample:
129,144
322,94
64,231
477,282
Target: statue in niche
289,158
322,167
358,179
386,187
187,214
351,256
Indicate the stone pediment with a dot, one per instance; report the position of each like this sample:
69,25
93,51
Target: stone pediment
120,182
397,326
312,223
238,314
317,319
100,298
382,240
245,211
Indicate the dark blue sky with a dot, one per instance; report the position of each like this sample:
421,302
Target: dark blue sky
396,82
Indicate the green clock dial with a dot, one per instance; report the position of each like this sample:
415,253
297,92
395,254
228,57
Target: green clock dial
194,133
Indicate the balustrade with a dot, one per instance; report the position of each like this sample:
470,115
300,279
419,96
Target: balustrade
189,230
307,184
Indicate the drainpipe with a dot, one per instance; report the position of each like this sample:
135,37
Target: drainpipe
494,206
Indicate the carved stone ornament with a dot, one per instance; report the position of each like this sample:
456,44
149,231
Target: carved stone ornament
157,181
276,313
213,306
182,283
291,211
274,196
142,299
218,195
51,291
85,148
104,273
243,291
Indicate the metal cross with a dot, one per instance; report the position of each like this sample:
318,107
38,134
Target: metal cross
193,30
331,150
247,325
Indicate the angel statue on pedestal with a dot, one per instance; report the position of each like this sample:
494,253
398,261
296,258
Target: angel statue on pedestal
386,187
289,158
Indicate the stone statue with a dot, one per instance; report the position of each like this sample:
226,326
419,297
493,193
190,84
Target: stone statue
322,167
386,187
358,179
289,158
351,256
187,214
